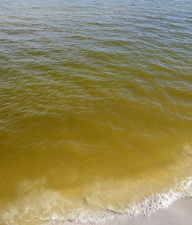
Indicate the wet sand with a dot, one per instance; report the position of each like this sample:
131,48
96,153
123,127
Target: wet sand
179,213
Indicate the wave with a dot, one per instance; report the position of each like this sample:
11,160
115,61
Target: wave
42,206
100,200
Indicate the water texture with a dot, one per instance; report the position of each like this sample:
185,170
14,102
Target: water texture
95,108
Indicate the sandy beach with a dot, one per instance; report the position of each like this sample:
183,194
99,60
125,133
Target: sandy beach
179,213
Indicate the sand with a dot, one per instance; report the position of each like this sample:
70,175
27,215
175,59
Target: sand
179,213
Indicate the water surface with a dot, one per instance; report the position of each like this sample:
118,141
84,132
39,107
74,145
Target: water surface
95,107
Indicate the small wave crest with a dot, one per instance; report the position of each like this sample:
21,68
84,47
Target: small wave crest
101,200
40,206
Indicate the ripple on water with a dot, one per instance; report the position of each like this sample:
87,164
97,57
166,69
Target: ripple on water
95,109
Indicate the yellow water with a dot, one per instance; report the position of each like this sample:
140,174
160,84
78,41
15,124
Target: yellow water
95,108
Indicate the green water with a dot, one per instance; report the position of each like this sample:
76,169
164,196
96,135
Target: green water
95,107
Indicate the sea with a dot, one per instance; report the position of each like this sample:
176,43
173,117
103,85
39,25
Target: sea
95,109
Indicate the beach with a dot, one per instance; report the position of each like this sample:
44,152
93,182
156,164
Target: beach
178,213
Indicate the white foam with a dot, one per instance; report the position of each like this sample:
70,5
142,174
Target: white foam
153,203
101,200
40,205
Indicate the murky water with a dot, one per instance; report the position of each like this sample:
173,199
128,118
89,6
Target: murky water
95,107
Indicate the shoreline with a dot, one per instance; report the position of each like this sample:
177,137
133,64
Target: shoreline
178,213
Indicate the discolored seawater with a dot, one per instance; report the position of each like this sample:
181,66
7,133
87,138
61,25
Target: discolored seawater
95,108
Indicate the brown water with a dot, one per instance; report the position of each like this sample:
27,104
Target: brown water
95,108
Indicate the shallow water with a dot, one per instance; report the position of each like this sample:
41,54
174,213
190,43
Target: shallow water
95,107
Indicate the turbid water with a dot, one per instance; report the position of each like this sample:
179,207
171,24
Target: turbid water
95,108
